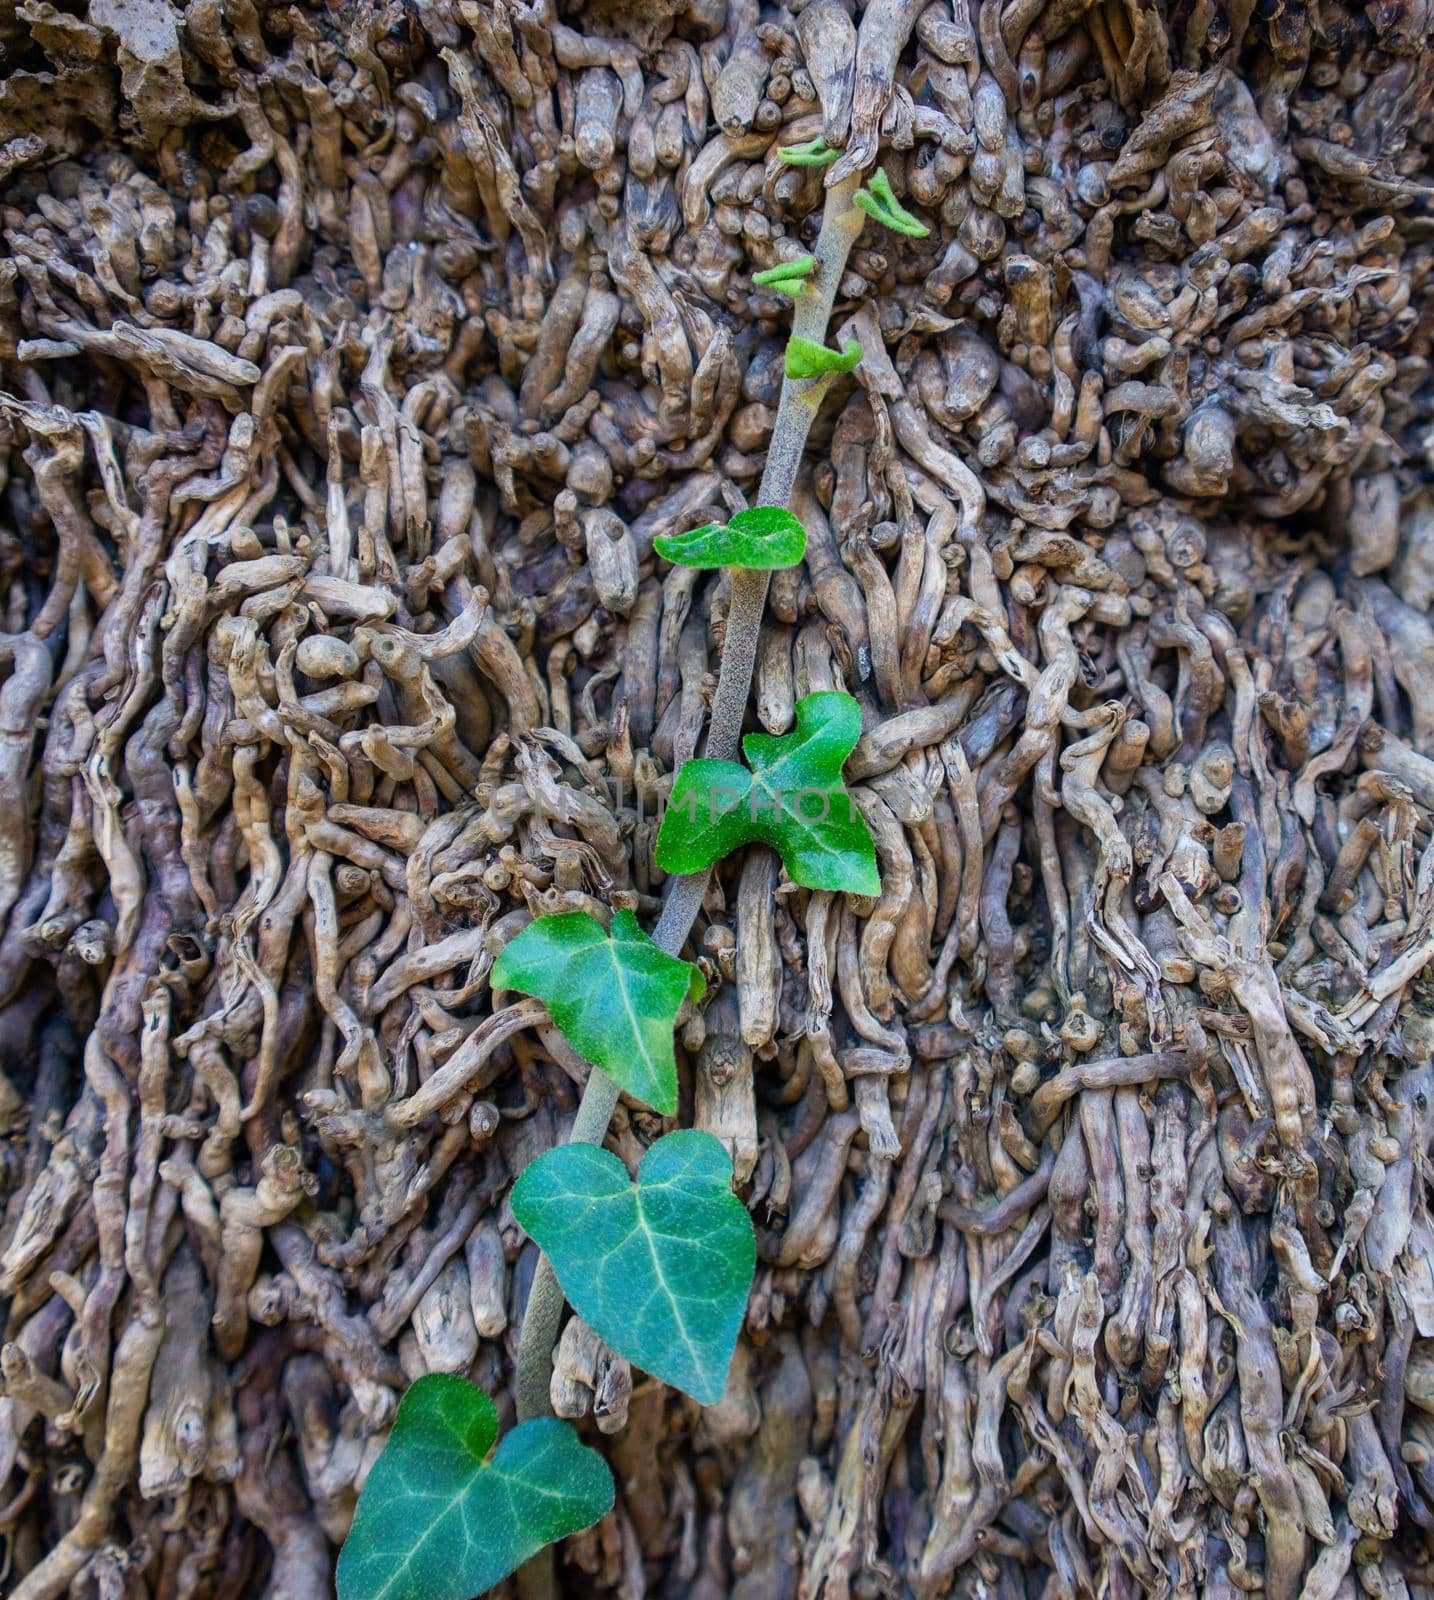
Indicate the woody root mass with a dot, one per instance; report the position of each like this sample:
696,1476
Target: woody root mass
357,363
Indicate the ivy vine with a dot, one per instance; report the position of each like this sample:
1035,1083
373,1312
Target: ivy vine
660,1266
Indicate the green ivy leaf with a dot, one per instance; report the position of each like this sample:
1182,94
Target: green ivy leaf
437,1520
614,997
787,276
793,799
760,539
659,1268
814,153
879,202
808,359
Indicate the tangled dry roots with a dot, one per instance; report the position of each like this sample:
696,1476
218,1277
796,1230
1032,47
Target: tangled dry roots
353,357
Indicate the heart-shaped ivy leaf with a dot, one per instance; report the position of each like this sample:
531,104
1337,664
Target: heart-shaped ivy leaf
878,201
761,539
614,997
793,799
807,359
788,276
437,1520
814,153
659,1268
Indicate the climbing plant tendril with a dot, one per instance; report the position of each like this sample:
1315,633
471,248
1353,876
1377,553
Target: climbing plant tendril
880,203
807,359
814,153
789,277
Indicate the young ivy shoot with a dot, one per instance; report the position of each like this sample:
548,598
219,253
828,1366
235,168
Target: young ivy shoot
659,1265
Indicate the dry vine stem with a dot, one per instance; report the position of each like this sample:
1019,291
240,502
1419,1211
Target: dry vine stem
352,359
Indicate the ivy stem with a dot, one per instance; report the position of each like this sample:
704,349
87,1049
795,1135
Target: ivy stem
796,410
545,1299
